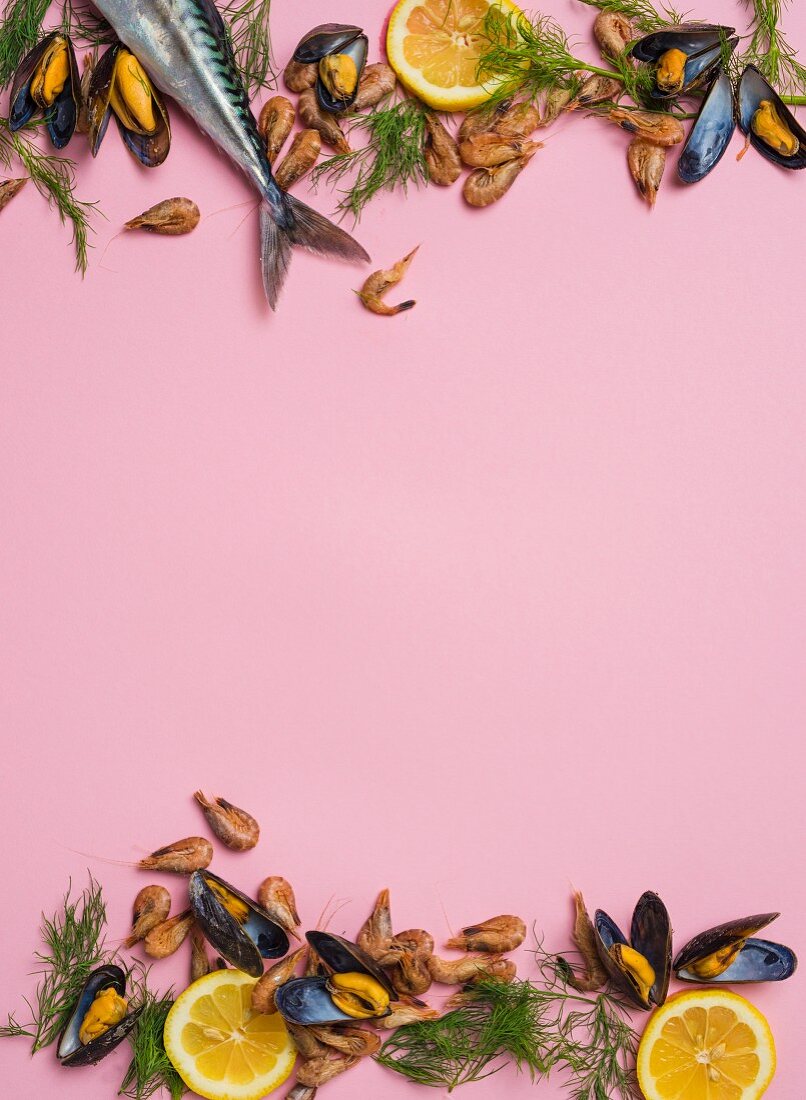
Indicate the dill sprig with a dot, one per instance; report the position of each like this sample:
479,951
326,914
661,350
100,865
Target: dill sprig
393,156
502,1023
19,31
527,55
542,1027
54,178
770,51
85,26
248,22
74,946
150,1069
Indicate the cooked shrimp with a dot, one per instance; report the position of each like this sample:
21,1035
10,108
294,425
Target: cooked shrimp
498,934
233,826
461,971
266,987
194,853
151,907
169,936
276,895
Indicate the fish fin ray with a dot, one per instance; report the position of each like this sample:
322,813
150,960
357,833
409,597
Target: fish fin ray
275,254
314,231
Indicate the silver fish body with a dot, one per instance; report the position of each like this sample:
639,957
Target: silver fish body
183,45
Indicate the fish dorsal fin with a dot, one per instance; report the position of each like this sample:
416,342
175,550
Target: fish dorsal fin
217,25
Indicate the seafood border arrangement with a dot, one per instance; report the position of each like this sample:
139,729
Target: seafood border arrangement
270,1006
385,123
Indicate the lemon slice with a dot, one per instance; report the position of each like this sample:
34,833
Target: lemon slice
706,1045
220,1047
434,47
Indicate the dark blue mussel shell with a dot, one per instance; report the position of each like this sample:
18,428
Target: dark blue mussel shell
323,40
61,117
651,935
150,149
757,961
702,42
71,1051
244,945
753,88
710,135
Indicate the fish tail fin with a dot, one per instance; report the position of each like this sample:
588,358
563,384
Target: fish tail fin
304,227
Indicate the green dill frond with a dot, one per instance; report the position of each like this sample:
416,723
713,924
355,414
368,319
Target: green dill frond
74,947
20,28
770,51
248,22
85,26
150,1070
393,156
526,56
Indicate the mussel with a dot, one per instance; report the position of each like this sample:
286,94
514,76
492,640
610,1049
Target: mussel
730,953
100,1020
354,987
683,56
237,927
340,51
710,135
47,81
768,123
641,966
120,86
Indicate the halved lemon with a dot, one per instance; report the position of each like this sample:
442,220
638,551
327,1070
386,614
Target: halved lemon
220,1048
706,1045
434,47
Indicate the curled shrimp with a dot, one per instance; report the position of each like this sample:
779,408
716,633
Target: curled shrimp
299,159
323,1068
646,163
199,959
596,89
308,1046
377,82
613,32
299,75
408,1010
485,186
314,118
441,153
276,895
380,281
655,126
498,934
490,149
233,826
410,975
194,853
275,123
356,1041
151,907
461,971
375,937
169,936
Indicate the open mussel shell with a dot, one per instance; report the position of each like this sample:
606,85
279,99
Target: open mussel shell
651,936
71,1051
325,39
710,135
753,90
755,960
308,1000
690,38
329,98
150,149
237,927
62,114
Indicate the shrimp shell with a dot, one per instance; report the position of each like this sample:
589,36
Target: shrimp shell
597,89
299,159
356,1041
461,971
490,149
556,102
317,1071
194,853
376,937
275,123
441,153
199,959
377,82
613,32
314,118
169,936
305,1041
233,826
301,1092
276,895
594,975
503,933
410,975
151,907
646,163
519,120
408,1010
380,281
485,186
655,127
299,76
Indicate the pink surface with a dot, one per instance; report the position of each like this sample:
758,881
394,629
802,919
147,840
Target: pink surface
500,595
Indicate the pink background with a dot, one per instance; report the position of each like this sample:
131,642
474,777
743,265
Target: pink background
498,596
